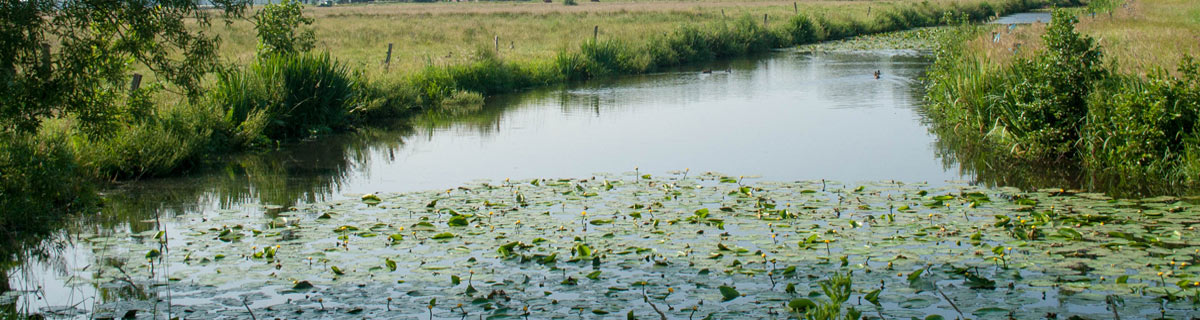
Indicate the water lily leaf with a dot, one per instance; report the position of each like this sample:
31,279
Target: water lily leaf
336,270
302,285
873,297
990,312
443,235
801,304
457,221
153,253
728,293
370,198
391,264
594,275
582,250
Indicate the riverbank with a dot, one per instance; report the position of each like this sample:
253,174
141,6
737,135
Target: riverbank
1098,92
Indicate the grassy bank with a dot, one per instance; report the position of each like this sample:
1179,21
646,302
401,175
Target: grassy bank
1091,92
265,100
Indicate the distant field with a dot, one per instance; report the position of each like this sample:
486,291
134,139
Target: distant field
448,32
1140,36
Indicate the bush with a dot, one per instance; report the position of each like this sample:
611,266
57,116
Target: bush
803,30
38,182
1145,127
286,97
1042,100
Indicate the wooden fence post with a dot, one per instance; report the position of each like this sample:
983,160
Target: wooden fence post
136,83
387,62
595,33
46,57
497,40
795,8
764,20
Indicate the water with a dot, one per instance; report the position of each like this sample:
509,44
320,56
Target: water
786,116
1024,18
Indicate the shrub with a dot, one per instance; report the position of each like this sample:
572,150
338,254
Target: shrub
1042,99
803,29
38,182
1145,127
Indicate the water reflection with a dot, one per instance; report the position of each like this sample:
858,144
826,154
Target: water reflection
787,116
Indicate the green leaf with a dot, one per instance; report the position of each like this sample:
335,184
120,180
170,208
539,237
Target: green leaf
728,293
153,253
336,270
302,285
873,297
801,304
391,265
595,275
583,251
912,277
458,221
443,235
455,280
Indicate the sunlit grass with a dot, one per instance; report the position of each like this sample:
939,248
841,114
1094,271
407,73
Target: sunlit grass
440,34
1138,37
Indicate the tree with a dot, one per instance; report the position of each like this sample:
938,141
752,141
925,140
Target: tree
62,58
277,26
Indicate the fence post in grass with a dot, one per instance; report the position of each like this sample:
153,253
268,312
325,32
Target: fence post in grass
764,20
868,11
387,62
795,8
497,45
595,33
722,13
46,57
136,83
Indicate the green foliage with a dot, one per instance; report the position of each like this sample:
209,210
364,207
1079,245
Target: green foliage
38,182
838,290
1141,129
1125,132
176,138
73,58
285,96
278,28
803,29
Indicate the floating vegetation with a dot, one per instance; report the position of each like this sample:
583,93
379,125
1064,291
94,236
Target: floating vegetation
919,39
676,247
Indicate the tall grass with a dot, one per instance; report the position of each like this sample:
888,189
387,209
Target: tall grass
285,97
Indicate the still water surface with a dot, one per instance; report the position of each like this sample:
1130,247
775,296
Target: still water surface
785,116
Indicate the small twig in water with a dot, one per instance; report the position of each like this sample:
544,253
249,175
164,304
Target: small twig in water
252,317
960,314
647,300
